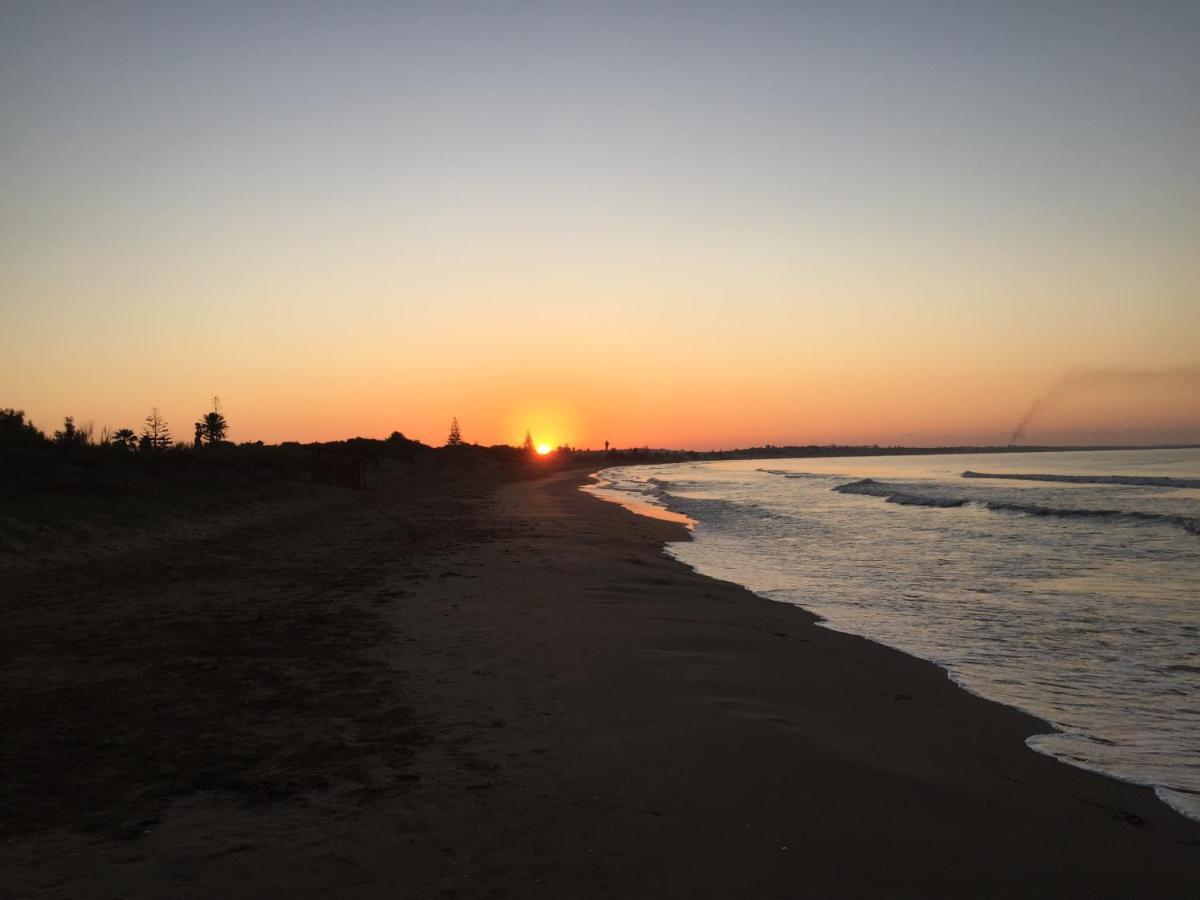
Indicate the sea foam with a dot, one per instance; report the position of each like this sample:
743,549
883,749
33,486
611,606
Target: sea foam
1069,592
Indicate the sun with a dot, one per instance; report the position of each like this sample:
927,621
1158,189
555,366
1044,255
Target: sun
543,449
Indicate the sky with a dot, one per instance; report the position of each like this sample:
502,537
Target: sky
666,224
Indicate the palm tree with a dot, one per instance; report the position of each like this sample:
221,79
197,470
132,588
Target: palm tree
124,438
213,427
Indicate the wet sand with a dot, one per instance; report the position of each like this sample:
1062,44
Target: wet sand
507,689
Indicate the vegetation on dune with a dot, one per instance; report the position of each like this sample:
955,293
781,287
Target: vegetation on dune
16,432
74,459
212,427
75,489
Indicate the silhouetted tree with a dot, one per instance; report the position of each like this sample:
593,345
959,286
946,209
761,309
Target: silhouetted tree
70,436
198,439
527,446
124,439
455,438
16,432
213,427
155,434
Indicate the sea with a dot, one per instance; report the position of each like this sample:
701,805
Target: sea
1066,584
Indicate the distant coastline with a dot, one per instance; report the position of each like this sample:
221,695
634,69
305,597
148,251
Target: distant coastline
808,451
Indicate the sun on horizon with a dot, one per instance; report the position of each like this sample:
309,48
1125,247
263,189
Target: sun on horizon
308,232
543,449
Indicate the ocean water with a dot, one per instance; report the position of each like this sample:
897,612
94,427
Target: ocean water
1065,584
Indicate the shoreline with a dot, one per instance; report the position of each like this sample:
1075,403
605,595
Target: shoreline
601,487
1072,779
512,690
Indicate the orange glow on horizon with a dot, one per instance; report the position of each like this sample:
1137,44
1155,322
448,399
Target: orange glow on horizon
901,247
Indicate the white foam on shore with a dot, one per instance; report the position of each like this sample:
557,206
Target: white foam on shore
1084,620
643,504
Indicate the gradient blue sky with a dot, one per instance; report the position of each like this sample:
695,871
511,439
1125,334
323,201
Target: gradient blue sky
674,224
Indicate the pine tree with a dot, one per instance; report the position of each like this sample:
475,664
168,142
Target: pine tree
455,438
155,434
528,445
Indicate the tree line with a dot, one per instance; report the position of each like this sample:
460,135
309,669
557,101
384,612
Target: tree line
155,434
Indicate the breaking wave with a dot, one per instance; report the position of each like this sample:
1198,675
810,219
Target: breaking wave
1135,480
805,475
1068,598
894,494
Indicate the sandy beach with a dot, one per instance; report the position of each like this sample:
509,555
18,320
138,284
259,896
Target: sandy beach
486,687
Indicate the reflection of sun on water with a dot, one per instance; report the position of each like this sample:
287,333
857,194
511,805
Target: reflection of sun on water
543,449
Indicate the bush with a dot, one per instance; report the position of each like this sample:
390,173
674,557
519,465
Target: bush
15,432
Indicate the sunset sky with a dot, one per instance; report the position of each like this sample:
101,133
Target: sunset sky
674,224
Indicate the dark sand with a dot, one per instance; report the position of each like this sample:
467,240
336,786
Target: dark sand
508,690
